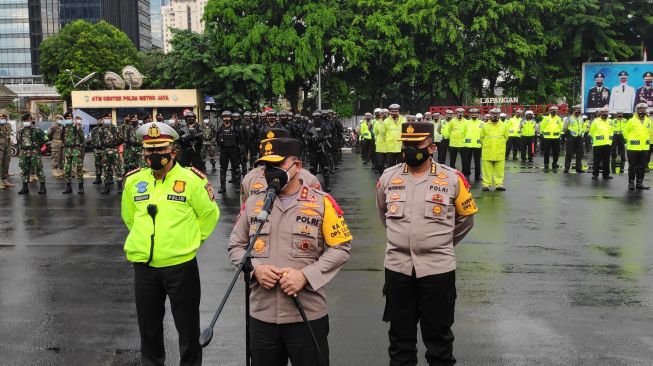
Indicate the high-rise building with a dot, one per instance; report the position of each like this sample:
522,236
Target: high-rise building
130,16
181,14
23,26
157,22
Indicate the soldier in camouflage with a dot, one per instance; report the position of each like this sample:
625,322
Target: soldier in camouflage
249,134
110,158
73,142
96,142
5,150
30,140
132,153
208,136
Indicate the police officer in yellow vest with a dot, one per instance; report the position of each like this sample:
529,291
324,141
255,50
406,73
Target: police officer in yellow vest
601,134
456,130
638,140
573,128
551,129
444,144
427,209
618,142
494,135
169,211
392,126
379,139
472,147
528,129
514,136
366,137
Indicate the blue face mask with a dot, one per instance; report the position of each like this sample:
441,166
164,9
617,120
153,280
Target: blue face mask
68,122
3,121
107,122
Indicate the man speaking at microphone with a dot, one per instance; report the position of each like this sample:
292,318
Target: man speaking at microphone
302,246
170,211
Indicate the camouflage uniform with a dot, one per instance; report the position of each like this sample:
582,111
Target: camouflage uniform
5,152
112,165
132,154
73,142
97,152
208,135
30,140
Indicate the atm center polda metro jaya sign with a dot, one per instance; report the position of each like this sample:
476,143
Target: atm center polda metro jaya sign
134,98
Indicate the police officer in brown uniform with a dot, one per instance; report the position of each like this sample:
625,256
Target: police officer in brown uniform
302,246
254,182
427,208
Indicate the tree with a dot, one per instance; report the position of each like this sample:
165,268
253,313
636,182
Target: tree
82,48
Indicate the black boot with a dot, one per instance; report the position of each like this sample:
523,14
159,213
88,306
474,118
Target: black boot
81,188
25,189
42,189
640,185
613,166
119,187
98,180
622,165
69,189
106,189
223,179
327,183
213,166
631,185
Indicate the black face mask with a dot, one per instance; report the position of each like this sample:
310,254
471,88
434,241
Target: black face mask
415,156
641,115
276,177
495,119
158,161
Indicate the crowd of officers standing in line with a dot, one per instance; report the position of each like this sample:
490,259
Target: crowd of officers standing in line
236,139
489,140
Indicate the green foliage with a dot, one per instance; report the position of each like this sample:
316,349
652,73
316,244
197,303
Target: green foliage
82,48
408,51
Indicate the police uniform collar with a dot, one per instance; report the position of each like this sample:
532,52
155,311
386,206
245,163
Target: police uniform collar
174,166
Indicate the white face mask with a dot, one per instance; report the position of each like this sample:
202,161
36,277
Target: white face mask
27,124
107,122
3,121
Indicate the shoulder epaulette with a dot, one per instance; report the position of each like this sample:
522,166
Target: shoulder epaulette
133,172
198,172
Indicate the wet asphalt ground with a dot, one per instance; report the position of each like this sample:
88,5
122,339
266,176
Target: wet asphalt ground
557,271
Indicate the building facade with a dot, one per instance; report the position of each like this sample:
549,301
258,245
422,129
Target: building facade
181,14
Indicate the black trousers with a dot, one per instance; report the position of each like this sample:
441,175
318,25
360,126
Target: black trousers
393,158
618,148
442,151
527,146
229,155
275,344
365,149
467,154
512,144
379,163
601,159
551,148
574,146
429,300
637,164
181,283
453,155
190,157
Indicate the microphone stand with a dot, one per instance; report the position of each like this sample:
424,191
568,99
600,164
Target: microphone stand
245,266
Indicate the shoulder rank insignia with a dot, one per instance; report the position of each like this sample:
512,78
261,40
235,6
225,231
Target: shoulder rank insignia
133,172
198,172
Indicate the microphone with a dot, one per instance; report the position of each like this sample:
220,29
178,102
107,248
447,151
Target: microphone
152,211
270,196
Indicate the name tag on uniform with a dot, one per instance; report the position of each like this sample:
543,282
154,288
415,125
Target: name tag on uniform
173,197
634,142
511,131
546,133
468,141
143,197
599,138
